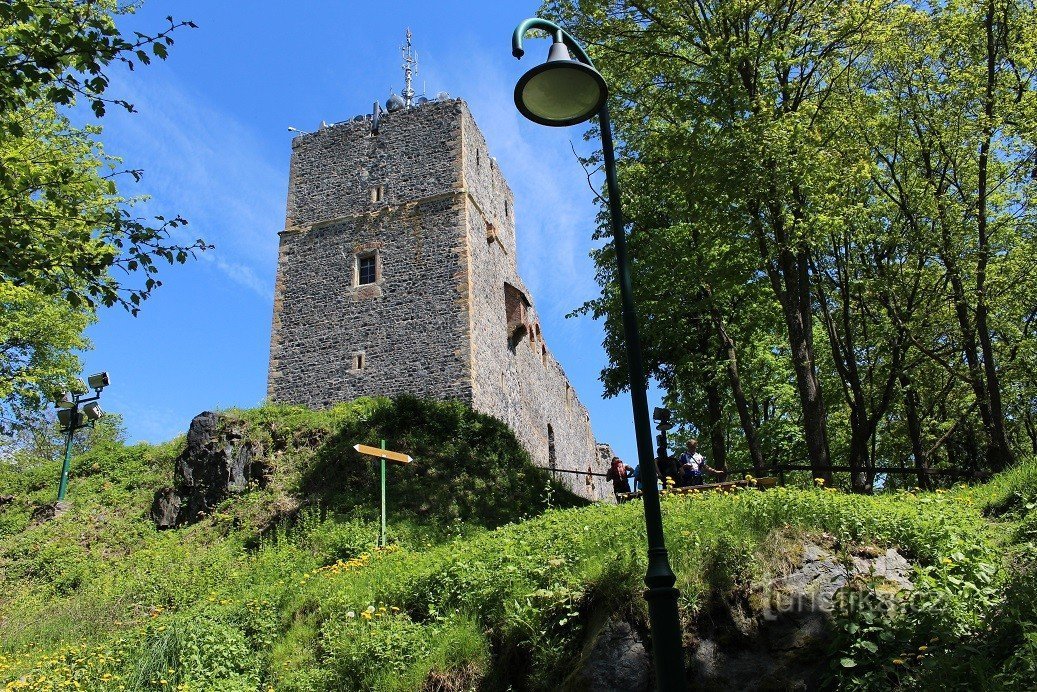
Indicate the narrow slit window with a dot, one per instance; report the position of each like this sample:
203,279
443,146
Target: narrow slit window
378,193
367,269
358,361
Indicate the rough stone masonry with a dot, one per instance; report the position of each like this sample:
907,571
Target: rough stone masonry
397,273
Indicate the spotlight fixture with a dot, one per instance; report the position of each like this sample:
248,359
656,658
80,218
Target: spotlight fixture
98,381
92,411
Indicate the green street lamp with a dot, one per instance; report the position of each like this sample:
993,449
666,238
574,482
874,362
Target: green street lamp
564,92
75,412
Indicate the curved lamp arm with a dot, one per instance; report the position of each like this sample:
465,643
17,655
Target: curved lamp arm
558,32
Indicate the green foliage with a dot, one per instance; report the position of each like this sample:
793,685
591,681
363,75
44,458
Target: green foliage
68,235
98,596
54,50
38,334
829,210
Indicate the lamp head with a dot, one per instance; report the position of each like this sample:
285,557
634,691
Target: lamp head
98,381
92,411
65,400
560,92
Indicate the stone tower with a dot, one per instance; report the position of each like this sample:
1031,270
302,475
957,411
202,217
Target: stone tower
397,273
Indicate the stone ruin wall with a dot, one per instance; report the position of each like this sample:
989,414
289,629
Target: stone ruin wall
516,378
411,326
435,323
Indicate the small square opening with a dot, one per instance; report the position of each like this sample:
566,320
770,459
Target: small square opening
366,268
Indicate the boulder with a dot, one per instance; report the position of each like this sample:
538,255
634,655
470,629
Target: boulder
51,510
217,462
614,659
780,642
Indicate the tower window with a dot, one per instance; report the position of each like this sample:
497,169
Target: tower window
358,361
378,193
367,268
552,459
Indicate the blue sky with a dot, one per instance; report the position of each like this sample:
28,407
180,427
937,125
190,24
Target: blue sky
211,135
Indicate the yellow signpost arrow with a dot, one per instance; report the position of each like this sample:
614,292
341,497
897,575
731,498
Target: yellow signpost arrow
383,454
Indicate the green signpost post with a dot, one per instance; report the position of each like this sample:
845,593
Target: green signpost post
383,454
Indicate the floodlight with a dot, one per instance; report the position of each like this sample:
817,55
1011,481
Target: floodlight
98,381
65,400
78,386
660,414
65,417
92,411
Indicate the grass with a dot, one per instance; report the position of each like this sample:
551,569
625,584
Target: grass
252,599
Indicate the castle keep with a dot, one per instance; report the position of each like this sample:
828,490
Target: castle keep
397,273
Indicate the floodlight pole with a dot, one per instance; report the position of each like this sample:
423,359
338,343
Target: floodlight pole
663,615
67,465
73,426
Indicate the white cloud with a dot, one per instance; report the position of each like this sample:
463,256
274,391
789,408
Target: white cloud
208,167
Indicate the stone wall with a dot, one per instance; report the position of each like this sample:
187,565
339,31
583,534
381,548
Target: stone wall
517,379
425,199
410,327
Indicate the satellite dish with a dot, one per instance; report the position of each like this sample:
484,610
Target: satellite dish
359,119
442,96
421,100
394,103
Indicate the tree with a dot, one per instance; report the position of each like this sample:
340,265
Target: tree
70,241
846,189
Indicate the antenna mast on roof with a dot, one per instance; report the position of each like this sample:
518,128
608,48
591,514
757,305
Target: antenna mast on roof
410,68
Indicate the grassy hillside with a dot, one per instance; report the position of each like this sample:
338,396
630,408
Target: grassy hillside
283,589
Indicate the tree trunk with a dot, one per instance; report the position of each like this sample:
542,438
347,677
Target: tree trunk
914,432
730,355
998,452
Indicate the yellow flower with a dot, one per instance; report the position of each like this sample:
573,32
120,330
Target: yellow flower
898,661
923,648
819,481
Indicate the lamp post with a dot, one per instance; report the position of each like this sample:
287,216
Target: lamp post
562,92
72,418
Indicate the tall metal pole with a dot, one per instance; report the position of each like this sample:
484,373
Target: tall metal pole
381,537
661,594
663,615
66,466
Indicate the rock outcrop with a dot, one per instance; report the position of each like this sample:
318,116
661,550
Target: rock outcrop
49,511
618,661
217,462
777,638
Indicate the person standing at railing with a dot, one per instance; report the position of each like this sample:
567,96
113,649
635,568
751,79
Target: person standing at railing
618,473
693,465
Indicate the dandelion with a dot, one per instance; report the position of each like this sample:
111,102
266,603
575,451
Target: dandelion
898,661
923,648
819,481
